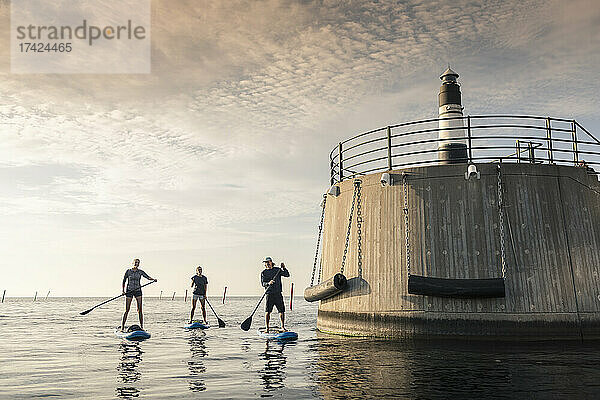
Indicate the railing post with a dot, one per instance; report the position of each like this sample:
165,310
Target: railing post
332,172
574,135
518,151
341,162
531,152
549,137
389,147
469,137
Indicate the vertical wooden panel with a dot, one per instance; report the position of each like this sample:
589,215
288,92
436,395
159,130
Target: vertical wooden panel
581,202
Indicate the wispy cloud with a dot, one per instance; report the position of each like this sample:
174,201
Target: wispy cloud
227,140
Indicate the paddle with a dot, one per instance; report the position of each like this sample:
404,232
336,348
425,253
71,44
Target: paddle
116,297
221,322
246,324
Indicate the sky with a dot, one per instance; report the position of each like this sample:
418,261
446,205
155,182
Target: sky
219,156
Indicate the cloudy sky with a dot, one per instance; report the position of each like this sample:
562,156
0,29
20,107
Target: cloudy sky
219,156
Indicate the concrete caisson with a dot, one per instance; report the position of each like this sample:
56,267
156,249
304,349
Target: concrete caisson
552,247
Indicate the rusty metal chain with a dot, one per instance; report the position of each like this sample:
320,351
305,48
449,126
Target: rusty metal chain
312,279
501,222
359,221
406,225
349,229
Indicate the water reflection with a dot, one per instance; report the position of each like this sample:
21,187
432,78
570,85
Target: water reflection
351,368
273,373
366,368
196,364
131,356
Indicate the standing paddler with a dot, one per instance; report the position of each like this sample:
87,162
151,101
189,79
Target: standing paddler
271,280
200,284
133,277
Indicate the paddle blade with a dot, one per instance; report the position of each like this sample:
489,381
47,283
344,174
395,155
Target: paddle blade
246,324
85,312
221,323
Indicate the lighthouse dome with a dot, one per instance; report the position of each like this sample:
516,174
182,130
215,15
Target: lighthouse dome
449,75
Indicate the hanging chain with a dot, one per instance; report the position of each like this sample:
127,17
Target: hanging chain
320,271
406,226
501,222
312,279
359,221
349,228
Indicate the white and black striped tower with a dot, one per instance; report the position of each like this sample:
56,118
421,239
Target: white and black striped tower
452,148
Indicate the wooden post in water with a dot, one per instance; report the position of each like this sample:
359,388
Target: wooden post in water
224,292
173,298
185,298
160,296
3,294
35,297
47,294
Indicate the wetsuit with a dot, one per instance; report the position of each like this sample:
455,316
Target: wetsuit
133,277
274,296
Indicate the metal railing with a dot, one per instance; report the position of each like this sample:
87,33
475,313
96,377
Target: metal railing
489,138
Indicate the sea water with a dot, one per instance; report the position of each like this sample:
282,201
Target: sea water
48,350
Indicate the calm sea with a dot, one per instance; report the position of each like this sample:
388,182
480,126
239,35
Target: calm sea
47,350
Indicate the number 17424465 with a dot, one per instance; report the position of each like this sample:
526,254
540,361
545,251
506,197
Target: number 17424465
39,47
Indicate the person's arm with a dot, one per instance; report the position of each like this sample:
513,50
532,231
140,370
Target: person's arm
145,275
192,278
263,280
125,280
284,271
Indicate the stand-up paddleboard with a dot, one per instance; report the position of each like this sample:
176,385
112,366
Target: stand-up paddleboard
133,333
197,325
276,334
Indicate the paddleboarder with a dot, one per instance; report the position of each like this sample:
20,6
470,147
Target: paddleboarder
200,284
271,280
133,277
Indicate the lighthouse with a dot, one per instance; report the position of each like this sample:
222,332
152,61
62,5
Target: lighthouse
428,252
452,148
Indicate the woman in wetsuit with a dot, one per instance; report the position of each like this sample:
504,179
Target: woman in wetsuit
133,277
199,283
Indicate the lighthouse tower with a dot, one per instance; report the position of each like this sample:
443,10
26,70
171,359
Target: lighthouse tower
452,148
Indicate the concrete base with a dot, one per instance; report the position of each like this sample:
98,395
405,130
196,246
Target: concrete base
550,234
481,326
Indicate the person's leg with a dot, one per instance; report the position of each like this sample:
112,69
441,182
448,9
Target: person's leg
281,308
267,317
138,300
194,300
127,305
268,308
202,301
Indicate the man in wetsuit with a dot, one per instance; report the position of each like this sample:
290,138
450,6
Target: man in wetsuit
134,289
199,283
270,278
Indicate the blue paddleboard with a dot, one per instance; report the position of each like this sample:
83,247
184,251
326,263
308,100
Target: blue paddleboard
277,335
197,325
134,335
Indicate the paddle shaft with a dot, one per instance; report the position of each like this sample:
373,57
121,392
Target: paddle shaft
214,312
116,297
265,293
